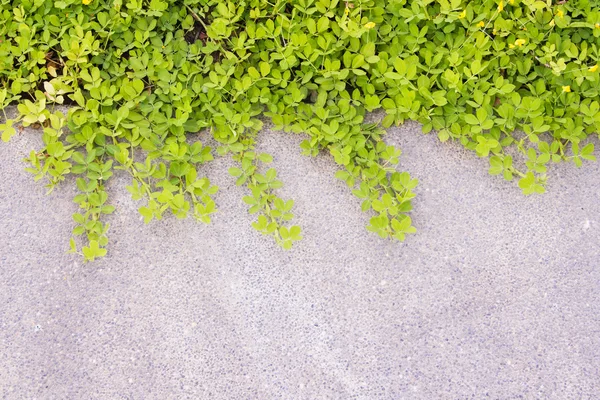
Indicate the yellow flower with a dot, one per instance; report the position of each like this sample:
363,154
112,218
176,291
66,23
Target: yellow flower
560,13
462,14
347,10
511,46
551,23
520,42
597,25
566,89
593,69
501,5
370,25
481,24
86,2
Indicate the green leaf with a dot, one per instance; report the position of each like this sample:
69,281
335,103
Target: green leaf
471,119
93,251
178,169
147,213
235,171
8,133
496,165
265,68
253,72
265,158
586,152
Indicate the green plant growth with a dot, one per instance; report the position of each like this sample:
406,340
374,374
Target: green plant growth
138,75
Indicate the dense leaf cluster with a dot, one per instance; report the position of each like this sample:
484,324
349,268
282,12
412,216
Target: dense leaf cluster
140,74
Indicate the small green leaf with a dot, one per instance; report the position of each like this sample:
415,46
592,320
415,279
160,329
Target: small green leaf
234,171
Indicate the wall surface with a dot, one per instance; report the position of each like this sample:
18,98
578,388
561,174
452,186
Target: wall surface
497,296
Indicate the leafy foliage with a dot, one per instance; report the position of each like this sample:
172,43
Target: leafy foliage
140,74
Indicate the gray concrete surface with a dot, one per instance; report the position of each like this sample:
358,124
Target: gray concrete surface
498,296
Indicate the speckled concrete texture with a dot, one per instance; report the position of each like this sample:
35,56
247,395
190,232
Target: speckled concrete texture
497,296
